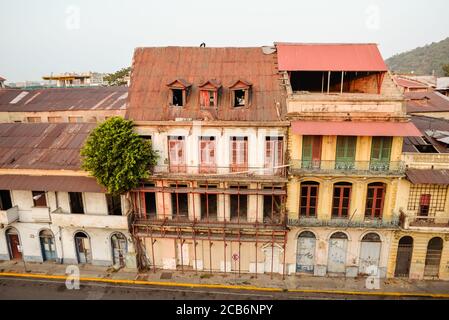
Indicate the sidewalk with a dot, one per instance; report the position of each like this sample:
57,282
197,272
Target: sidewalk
264,282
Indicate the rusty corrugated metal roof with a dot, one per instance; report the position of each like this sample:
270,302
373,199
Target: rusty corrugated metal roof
153,68
329,57
42,145
408,83
50,183
430,176
62,99
431,101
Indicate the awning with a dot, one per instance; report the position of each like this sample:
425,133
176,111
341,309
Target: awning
329,57
419,176
354,128
50,183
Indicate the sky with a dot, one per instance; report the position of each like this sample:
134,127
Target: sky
45,36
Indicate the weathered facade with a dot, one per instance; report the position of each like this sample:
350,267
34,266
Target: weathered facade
216,199
345,142
50,210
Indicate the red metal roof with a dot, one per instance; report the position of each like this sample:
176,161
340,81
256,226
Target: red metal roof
153,68
329,57
407,83
352,128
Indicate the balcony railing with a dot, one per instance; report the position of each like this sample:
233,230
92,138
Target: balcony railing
351,167
9,216
344,223
410,221
211,170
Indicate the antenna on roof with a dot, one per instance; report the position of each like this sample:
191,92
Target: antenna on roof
203,45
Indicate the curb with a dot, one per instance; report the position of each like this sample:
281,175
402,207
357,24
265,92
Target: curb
232,287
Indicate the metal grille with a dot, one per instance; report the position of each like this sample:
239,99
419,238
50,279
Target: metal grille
437,198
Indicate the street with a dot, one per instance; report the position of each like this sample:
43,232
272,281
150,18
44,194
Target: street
41,289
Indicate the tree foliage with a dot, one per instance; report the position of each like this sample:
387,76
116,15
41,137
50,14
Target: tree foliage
422,61
118,78
116,156
446,70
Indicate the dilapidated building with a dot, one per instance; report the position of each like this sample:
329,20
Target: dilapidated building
55,105
51,210
216,199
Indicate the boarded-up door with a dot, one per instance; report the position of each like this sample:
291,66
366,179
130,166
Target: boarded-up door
182,253
433,257
404,257
14,246
119,249
337,253
369,252
272,259
305,257
83,250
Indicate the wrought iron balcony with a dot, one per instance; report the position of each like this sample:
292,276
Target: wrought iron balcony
347,167
345,223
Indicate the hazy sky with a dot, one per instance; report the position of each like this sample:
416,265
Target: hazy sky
44,36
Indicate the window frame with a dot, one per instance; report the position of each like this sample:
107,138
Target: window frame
234,142
42,201
309,185
341,197
370,213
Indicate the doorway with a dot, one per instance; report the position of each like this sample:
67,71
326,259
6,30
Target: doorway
338,243
305,256
14,247
119,249
47,245
369,252
433,257
83,250
404,257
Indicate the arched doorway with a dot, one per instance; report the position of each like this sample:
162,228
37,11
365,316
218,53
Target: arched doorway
48,247
404,257
369,252
83,250
119,249
305,254
433,257
336,262
14,247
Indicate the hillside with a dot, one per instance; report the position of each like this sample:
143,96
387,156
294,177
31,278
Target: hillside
422,60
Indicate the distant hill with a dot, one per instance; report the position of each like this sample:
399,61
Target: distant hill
422,60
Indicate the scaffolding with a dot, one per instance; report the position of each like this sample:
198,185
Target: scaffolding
270,230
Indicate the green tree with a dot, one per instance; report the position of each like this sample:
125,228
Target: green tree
116,156
118,78
446,70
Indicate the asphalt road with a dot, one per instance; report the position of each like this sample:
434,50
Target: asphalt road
26,289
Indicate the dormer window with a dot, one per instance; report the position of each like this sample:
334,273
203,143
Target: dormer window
240,93
209,93
179,90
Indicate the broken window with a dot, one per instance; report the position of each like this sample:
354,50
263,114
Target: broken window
208,98
239,98
5,200
176,154
309,198
274,151
427,199
76,202
39,199
209,203
341,199
177,98
180,202
239,204
150,204
239,154
114,205
272,206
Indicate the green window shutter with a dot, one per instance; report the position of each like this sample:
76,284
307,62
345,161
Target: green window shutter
381,149
307,147
346,148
